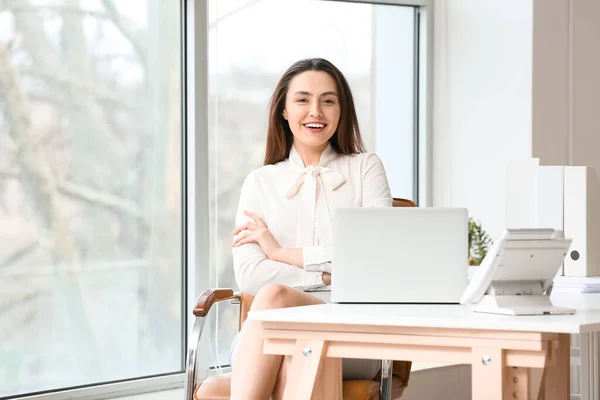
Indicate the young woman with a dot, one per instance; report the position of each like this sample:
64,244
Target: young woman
314,162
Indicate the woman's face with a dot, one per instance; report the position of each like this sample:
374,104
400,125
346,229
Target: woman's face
312,109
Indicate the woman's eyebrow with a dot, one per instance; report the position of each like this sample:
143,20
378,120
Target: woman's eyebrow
302,92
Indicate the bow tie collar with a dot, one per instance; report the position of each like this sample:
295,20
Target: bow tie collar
330,178
308,180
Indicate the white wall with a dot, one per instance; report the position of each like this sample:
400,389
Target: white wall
482,102
451,383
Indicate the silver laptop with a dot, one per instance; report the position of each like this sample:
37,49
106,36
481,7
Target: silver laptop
399,255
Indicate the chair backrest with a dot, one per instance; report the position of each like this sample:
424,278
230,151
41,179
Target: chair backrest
399,202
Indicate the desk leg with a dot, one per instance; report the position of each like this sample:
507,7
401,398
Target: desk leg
556,381
303,372
487,374
517,383
329,380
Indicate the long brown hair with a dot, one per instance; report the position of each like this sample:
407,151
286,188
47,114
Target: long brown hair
345,140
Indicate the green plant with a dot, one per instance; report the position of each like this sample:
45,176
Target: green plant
479,242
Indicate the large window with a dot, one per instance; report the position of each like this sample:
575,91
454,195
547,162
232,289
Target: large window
251,43
91,267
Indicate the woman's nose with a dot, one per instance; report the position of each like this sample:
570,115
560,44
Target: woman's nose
316,111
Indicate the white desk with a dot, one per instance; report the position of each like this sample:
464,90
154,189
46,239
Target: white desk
499,348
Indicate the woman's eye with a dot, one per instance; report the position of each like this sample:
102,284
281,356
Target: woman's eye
301,100
329,101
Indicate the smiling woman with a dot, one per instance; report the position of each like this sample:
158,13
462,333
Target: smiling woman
283,244
310,97
377,54
312,110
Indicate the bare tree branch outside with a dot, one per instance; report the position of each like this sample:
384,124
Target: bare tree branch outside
90,192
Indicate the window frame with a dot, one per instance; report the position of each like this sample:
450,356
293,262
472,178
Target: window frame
194,30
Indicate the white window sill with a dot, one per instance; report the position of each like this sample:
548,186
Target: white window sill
173,394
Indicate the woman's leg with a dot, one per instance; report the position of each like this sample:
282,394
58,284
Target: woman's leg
254,374
282,378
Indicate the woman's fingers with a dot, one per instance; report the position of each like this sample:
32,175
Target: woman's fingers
239,229
244,237
237,238
248,226
248,239
258,220
245,232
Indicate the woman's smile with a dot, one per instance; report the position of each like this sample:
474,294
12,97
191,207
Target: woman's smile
315,127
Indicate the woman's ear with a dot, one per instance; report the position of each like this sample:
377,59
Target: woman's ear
284,115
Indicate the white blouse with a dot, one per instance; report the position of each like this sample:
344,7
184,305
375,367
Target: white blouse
296,202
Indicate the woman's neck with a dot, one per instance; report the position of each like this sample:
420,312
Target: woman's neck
310,155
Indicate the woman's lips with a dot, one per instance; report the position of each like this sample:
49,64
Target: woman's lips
315,128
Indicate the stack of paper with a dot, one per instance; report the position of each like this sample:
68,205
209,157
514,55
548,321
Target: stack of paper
564,284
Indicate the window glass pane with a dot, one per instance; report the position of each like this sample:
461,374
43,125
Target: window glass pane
90,192
393,95
251,44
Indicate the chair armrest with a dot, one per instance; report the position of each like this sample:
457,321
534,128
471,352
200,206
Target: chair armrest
212,296
201,309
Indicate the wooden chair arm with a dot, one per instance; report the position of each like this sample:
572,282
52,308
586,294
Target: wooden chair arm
201,308
399,202
212,296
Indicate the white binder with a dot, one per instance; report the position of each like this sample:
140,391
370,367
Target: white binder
582,221
563,198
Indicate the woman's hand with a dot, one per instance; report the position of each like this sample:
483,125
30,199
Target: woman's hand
327,278
258,232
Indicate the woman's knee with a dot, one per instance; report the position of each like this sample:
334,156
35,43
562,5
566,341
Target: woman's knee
271,296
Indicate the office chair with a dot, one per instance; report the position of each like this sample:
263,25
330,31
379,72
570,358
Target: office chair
389,383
